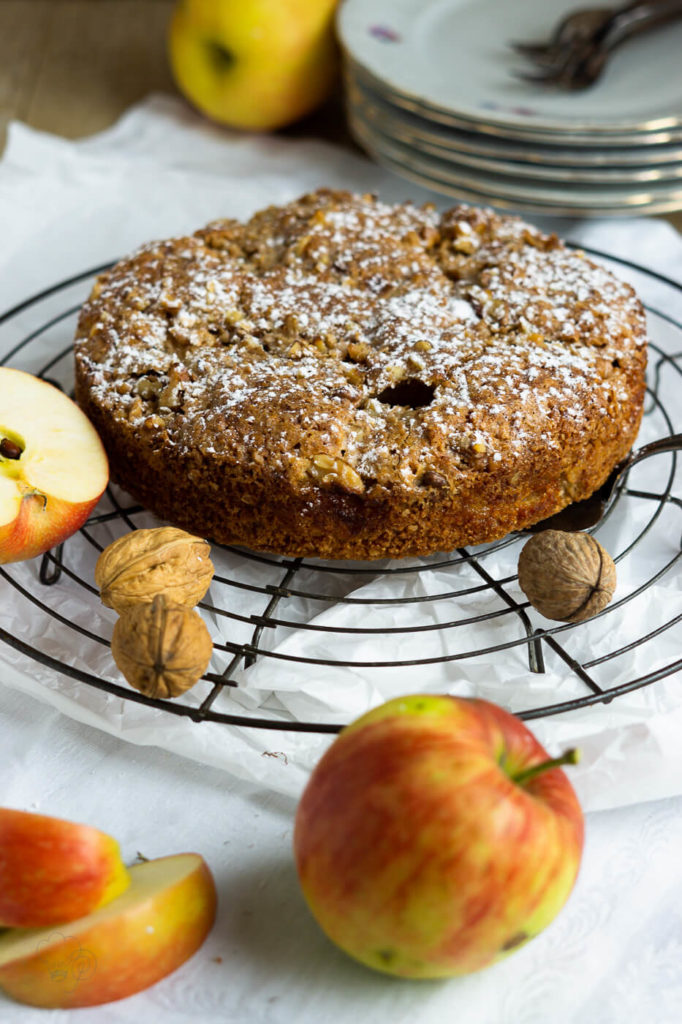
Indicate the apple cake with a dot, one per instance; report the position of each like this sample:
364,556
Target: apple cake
343,378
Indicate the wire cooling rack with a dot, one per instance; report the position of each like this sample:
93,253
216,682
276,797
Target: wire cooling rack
36,335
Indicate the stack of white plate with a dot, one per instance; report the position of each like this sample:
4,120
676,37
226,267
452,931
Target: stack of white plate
433,91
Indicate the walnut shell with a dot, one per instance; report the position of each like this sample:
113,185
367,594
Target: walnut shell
144,563
161,648
566,576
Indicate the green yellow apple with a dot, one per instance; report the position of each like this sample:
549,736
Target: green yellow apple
133,942
435,836
52,871
53,468
255,64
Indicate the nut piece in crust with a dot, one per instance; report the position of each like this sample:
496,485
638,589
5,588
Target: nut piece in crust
329,471
566,576
144,563
161,648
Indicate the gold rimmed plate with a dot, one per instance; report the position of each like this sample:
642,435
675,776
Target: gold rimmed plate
625,165
452,61
496,191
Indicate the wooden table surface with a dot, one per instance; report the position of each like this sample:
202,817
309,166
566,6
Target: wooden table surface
73,66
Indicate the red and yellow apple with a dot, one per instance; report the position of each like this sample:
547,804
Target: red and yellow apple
53,468
435,836
255,64
133,942
53,871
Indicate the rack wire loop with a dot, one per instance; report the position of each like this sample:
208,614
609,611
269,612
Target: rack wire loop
40,340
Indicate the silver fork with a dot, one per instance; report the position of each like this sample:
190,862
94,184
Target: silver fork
576,28
579,49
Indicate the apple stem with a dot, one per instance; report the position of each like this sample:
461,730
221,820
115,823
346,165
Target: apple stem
571,756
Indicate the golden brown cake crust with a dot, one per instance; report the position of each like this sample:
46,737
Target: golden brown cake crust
346,379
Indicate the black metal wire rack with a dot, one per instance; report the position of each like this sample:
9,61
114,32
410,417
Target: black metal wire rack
258,592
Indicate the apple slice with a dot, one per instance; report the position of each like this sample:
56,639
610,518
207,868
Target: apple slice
53,468
120,949
53,871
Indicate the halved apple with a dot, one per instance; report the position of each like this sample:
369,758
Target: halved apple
52,871
133,942
53,468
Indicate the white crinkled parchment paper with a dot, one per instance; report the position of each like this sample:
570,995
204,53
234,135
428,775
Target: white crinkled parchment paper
65,207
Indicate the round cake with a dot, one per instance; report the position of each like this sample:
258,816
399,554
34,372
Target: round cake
343,378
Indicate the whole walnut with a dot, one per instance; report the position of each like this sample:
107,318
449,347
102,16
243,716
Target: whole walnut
566,576
161,648
144,563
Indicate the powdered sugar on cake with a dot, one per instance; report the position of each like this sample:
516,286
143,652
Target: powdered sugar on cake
393,338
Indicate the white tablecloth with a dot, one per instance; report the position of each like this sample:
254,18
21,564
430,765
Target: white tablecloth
614,952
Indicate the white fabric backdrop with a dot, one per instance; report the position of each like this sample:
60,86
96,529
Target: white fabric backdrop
615,949
65,207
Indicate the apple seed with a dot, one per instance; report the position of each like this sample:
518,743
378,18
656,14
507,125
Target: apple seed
9,449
